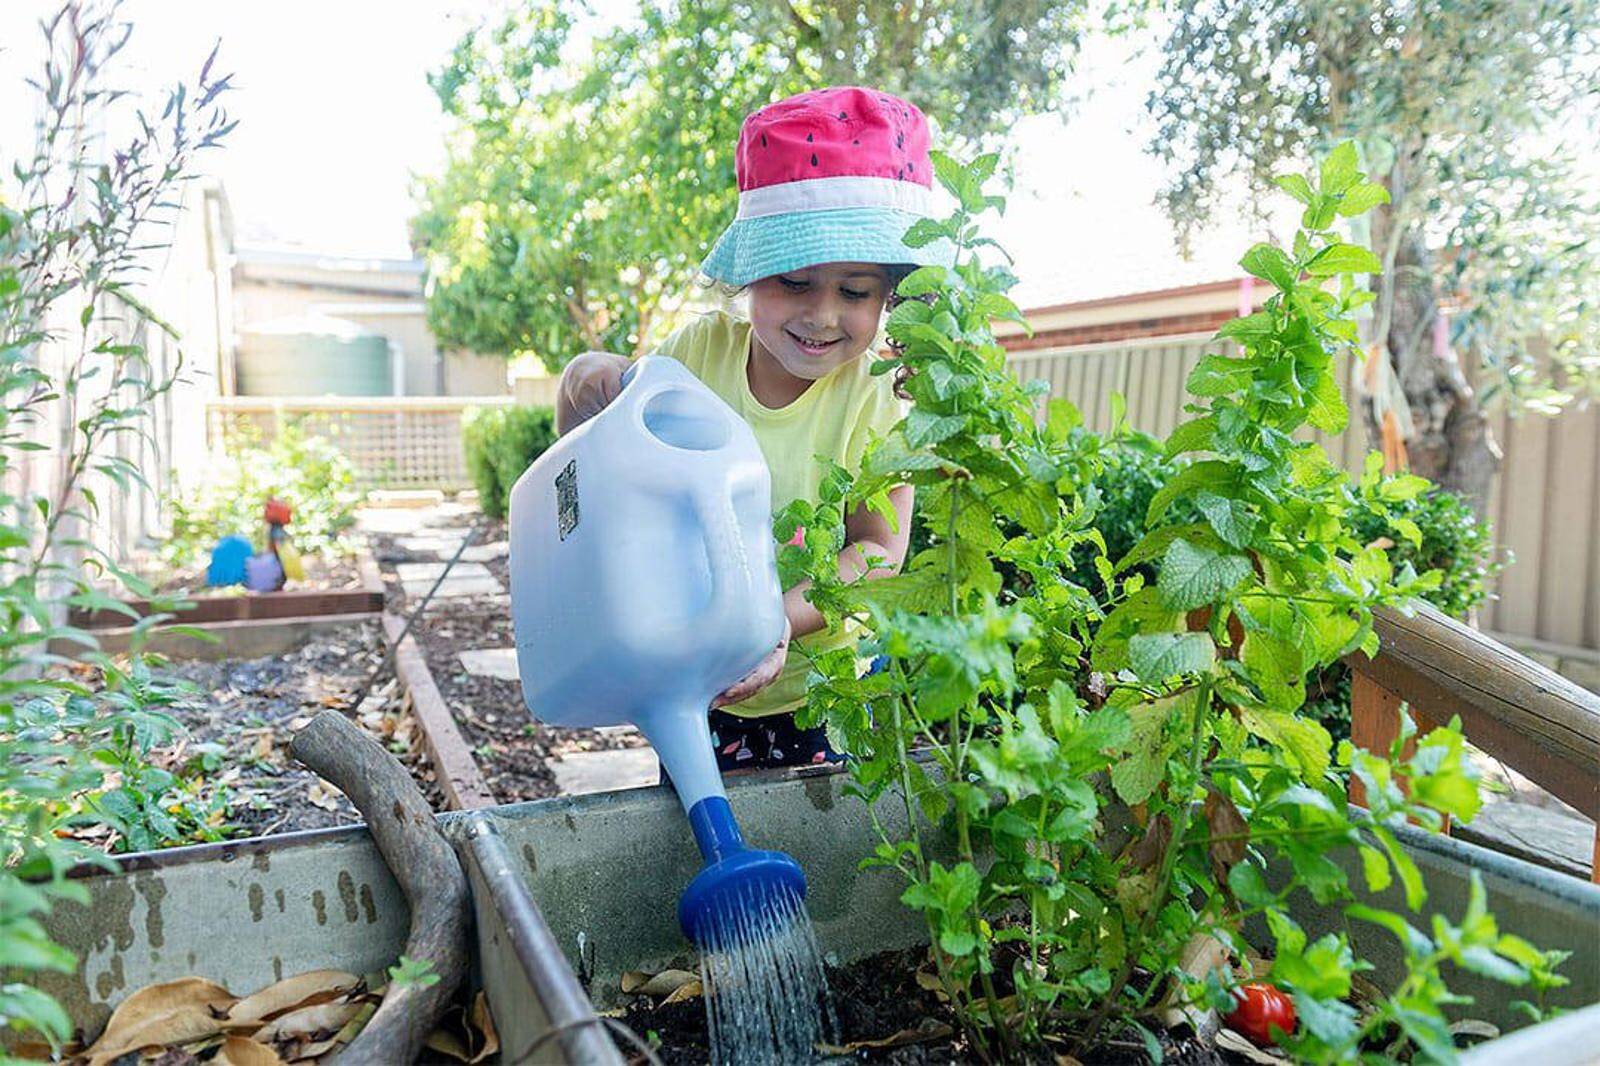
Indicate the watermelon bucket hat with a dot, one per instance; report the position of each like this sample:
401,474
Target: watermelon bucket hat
829,176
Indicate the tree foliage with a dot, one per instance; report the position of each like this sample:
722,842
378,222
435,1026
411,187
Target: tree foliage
580,197
1468,113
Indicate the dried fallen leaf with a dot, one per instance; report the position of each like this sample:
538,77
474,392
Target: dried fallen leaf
323,796
174,1012
263,746
1475,1027
483,1022
1224,821
1201,955
686,991
639,983
926,1030
242,1051
301,990
1067,1060
1228,1040
1147,851
309,1021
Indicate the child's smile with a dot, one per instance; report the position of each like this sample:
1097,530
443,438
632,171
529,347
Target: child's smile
812,321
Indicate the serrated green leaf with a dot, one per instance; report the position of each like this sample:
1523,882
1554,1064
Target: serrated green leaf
1362,198
1194,575
1233,520
1302,739
1195,435
1259,324
1341,169
1296,186
1157,656
1325,406
1270,264
1343,259
1218,375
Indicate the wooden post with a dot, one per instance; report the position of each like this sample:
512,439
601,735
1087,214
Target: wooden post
1374,726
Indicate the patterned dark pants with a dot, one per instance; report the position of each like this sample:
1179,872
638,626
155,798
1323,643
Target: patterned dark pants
764,743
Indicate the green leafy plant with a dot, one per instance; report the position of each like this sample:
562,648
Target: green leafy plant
75,228
308,473
1054,723
500,443
411,972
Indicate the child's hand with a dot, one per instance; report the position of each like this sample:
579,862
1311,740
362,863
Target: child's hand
764,674
588,384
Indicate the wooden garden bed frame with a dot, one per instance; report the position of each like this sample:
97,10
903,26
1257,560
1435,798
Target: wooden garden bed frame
1531,718
256,606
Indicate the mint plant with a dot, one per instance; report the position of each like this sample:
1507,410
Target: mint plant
1114,776
75,378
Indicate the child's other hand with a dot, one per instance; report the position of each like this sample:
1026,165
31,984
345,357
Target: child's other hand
588,384
764,674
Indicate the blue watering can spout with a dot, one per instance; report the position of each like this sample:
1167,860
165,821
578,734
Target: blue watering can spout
738,883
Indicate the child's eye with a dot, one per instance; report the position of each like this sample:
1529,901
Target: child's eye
853,294
792,284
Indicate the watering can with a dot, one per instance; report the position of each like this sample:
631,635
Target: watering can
644,582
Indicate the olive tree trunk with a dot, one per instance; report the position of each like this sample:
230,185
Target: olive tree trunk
1450,442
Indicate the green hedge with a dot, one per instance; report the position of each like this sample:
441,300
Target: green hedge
500,443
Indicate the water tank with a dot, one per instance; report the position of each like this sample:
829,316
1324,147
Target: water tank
313,355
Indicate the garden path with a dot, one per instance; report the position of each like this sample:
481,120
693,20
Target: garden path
466,636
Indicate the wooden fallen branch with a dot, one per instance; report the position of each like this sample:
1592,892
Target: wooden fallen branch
423,863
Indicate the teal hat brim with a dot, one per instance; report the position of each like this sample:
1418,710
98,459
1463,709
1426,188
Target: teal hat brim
756,248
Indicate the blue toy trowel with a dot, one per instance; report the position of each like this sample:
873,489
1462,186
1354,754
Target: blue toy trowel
643,583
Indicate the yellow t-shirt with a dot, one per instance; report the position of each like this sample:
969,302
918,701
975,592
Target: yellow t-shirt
835,418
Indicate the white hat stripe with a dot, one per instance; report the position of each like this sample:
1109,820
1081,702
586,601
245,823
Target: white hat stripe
829,194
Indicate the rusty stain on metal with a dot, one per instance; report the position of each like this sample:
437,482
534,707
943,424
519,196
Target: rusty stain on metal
819,790
347,896
153,889
528,857
257,899
277,894
277,968
368,905
261,861
319,903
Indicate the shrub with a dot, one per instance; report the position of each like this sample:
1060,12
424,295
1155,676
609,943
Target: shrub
308,473
500,443
1448,537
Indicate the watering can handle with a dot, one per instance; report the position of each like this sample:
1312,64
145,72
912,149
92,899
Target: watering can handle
732,579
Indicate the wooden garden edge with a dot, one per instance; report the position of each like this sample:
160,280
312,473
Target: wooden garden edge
1531,718
453,762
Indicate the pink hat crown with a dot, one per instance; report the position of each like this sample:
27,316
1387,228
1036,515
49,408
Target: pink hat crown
833,133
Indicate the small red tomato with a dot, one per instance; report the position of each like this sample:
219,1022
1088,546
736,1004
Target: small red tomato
1260,1008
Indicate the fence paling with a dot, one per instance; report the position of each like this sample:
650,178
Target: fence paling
393,442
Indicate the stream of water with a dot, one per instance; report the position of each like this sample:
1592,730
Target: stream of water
766,992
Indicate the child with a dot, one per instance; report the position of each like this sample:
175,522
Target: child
829,182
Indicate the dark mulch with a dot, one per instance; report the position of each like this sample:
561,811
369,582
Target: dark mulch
875,999
252,708
513,751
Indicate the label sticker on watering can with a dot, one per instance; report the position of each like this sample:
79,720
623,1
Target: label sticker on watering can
567,499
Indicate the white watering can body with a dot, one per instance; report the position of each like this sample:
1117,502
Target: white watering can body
644,578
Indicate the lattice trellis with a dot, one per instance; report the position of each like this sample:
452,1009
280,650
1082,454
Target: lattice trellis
393,443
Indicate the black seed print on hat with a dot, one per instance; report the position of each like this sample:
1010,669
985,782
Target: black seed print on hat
843,115
899,140
763,140
856,141
808,138
813,159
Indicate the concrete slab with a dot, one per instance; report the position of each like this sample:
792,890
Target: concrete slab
500,663
482,553
606,771
466,579
445,542
1537,834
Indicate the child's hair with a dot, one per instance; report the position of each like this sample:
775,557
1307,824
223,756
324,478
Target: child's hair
894,272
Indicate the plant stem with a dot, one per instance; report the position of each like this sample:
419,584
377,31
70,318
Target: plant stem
1163,885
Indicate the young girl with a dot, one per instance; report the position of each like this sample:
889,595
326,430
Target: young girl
829,182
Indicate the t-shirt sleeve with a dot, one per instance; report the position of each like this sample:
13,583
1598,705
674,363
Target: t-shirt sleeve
879,414
693,342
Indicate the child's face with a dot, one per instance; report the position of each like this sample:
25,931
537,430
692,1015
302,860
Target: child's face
815,320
